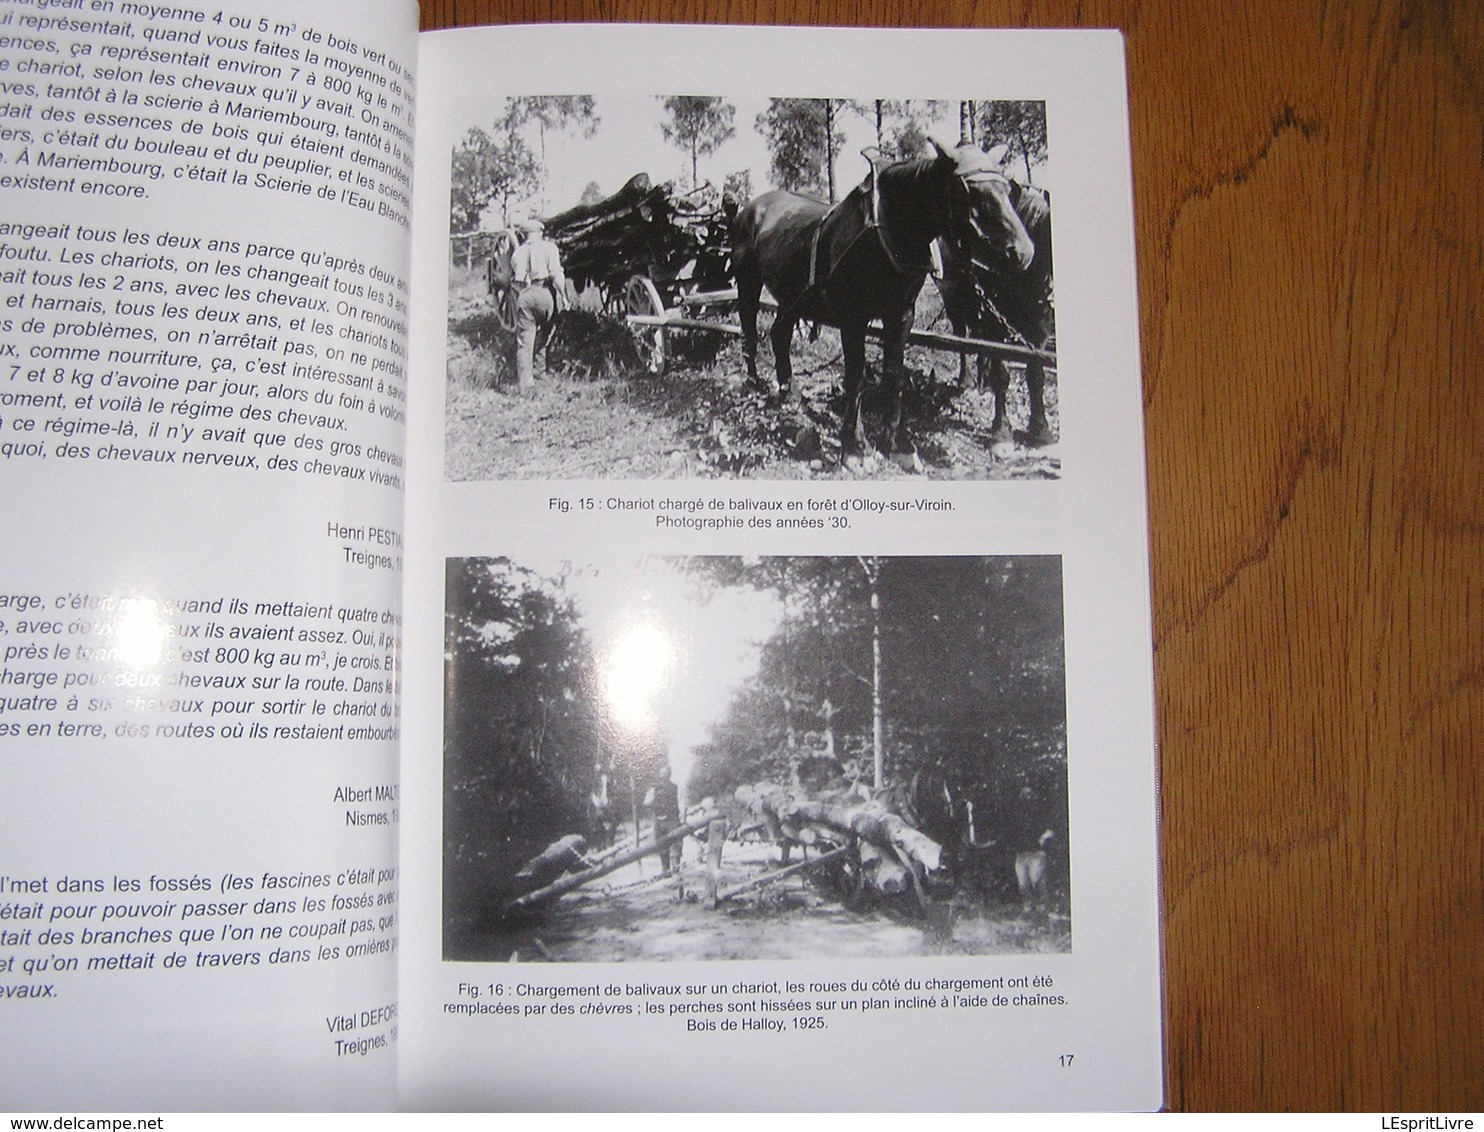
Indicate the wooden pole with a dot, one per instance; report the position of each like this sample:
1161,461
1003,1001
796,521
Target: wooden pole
716,835
930,338
576,880
872,570
769,878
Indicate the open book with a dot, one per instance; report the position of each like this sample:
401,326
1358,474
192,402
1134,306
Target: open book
383,724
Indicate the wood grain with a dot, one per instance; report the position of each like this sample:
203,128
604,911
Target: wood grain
1309,180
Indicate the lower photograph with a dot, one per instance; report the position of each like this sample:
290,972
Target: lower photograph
732,758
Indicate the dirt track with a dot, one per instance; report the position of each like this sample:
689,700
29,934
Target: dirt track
635,915
597,412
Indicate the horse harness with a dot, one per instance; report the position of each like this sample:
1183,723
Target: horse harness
871,227
979,271
986,306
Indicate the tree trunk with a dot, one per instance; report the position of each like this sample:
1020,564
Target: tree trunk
716,836
868,821
634,189
780,874
872,569
577,880
883,874
829,145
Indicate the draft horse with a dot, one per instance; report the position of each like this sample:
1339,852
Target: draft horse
866,258
985,299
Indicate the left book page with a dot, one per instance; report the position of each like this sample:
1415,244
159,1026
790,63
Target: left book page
203,261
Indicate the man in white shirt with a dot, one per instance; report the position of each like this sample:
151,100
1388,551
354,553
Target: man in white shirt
536,268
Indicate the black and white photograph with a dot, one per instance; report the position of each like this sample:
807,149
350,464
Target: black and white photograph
702,286
732,758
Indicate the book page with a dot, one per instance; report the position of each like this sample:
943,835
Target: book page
777,692
203,295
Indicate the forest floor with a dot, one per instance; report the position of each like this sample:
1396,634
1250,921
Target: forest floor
598,413
636,915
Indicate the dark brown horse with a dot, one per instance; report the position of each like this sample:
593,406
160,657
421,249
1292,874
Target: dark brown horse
866,258
989,300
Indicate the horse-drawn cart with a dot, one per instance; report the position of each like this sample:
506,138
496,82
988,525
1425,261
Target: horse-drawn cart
860,265
673,276
646,310
642,250
664,263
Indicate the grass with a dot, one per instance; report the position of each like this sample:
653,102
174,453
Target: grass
598,413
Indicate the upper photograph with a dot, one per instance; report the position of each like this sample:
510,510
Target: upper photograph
697,286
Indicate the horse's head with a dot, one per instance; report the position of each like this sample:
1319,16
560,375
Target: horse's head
981,210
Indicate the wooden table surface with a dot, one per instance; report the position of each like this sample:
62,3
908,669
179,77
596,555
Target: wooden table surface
1309,185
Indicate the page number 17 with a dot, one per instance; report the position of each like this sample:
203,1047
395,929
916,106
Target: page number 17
1065,1060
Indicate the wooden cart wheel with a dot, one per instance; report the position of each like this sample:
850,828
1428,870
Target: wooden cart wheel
845,878
505,308
501,281
615,302
853,880
643,298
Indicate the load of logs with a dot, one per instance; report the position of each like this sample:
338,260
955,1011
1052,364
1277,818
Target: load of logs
892,855
860,839
561,856
643,229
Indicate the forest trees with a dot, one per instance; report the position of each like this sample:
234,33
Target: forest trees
698,125
499,167
949,670
738,186
552,113
520,736
1019,126
934,683
505,164
901,127
488,169
804,138
532,747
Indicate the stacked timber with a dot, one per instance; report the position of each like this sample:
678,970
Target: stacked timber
865,844
893,854
570,878
642,229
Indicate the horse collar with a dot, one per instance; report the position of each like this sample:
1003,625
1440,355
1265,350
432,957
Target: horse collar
871,225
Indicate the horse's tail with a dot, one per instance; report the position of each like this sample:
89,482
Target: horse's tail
748,277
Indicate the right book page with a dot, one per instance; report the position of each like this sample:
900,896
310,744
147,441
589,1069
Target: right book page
778,714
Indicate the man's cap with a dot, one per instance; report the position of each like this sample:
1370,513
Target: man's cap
531,224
